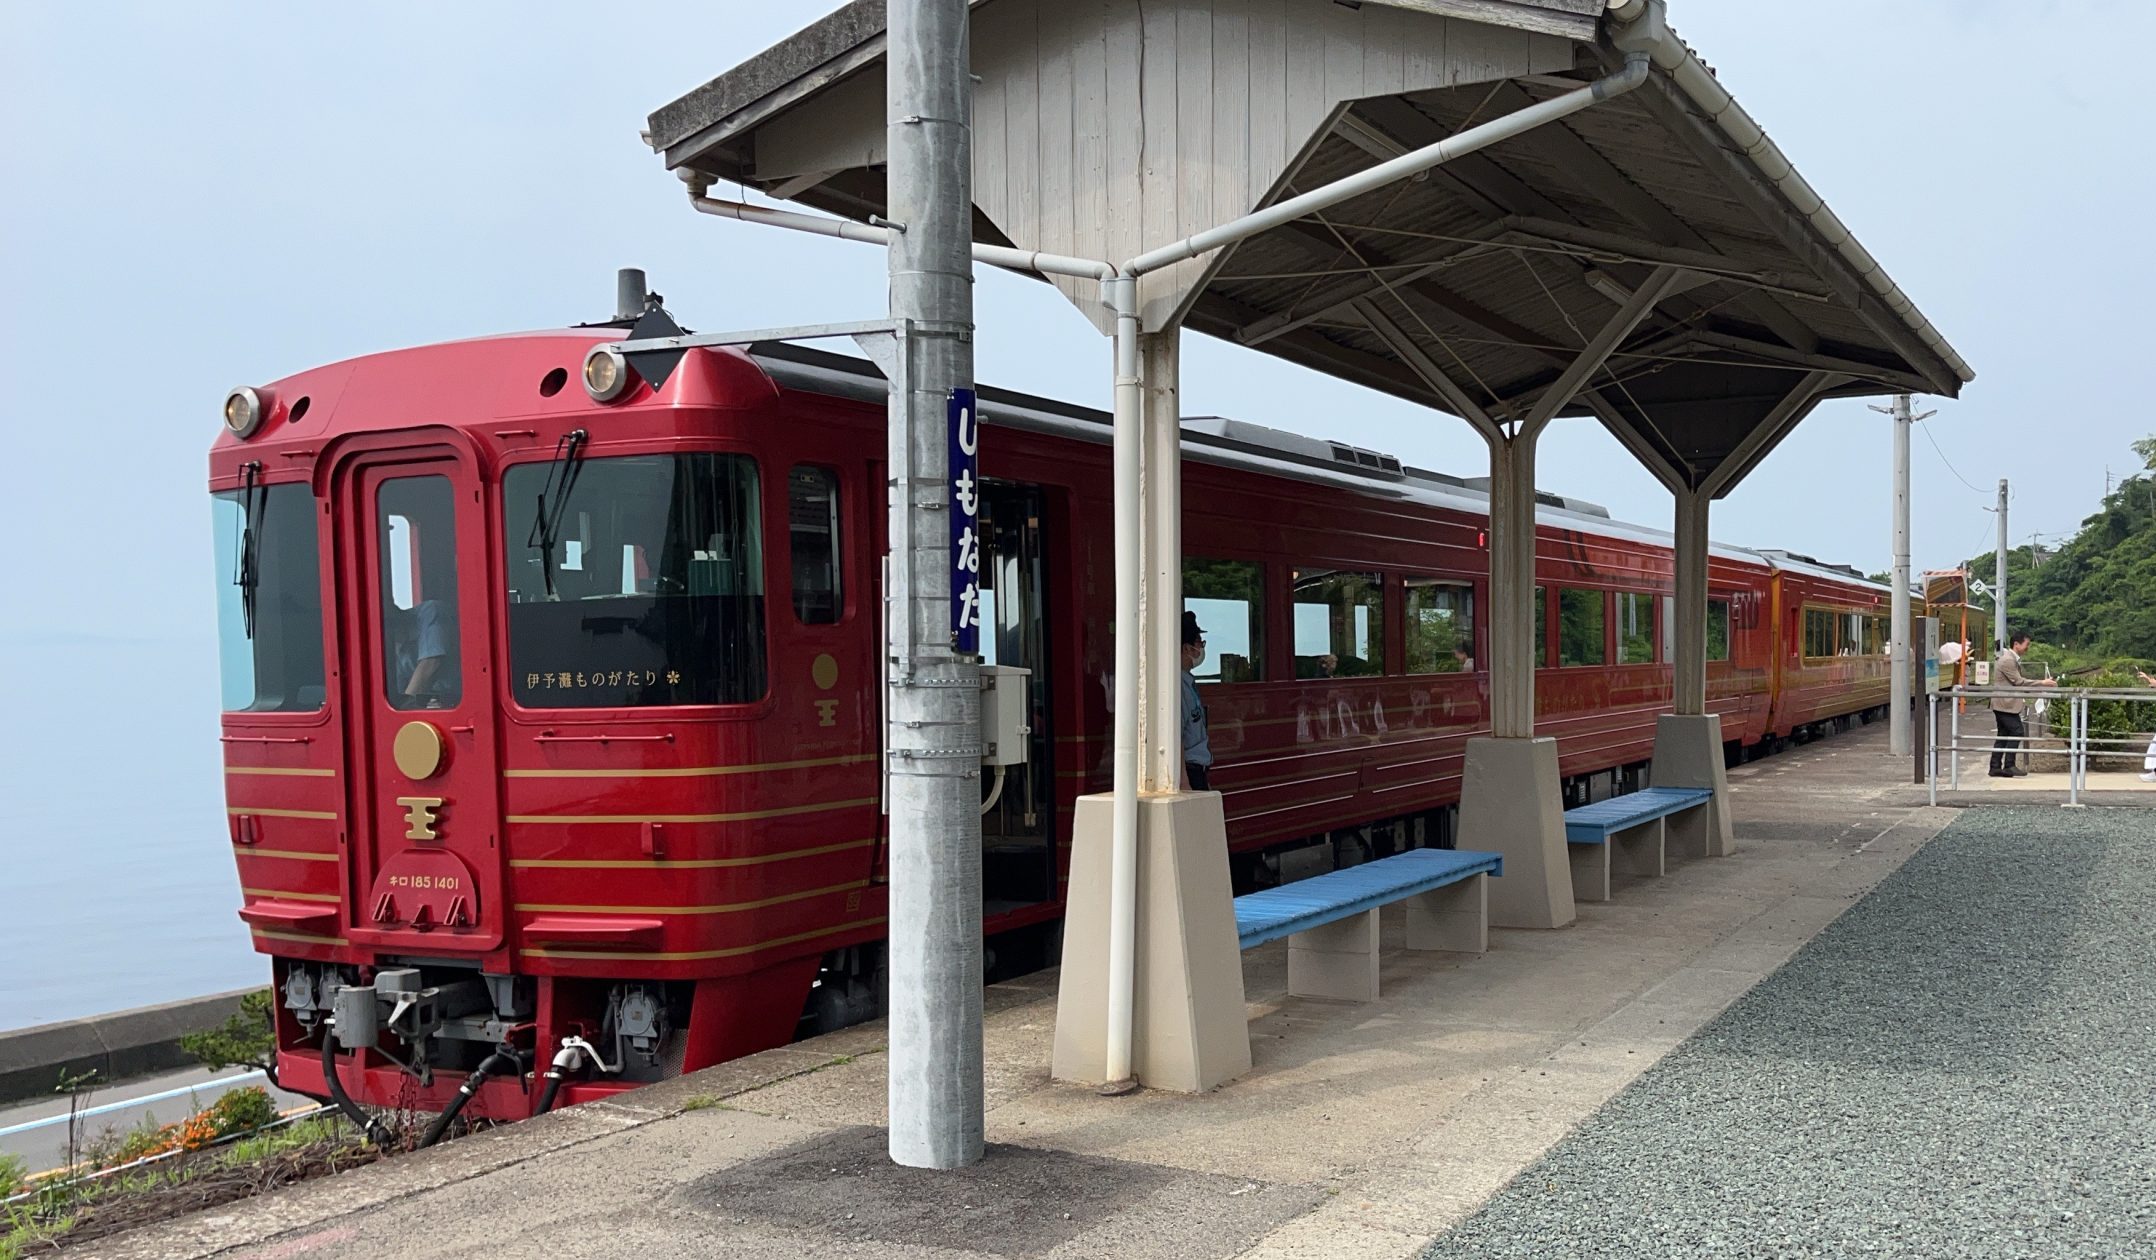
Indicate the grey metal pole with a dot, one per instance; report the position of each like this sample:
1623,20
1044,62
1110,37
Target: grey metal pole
1998,594
1898,712
1512,587
933,720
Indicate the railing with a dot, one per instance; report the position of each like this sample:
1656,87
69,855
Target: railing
2081,745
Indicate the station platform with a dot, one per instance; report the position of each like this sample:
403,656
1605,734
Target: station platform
1375,1130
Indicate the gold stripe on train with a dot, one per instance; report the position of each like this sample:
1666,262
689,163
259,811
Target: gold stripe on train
280,894
693,772
699,955
259,812
783,811
248,850
300,938
294,771
850,886
678,864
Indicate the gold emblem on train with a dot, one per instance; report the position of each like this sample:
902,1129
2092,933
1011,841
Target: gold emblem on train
418,750
419,816
824,673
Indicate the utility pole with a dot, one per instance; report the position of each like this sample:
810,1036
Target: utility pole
1898,713
932,721
1998,592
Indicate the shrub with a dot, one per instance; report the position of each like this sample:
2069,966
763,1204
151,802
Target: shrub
2124,721
242,1111
14,1174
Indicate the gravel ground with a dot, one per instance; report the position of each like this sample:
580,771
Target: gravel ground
1963,1065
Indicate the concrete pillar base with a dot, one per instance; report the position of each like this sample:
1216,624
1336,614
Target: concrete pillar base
1511,802
1190,1030
1688,754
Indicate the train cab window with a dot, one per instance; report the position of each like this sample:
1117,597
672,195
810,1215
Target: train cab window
1229,598
1635,628
1582,627
269,601
638,581
812,527
416,537
1440,626
1339,623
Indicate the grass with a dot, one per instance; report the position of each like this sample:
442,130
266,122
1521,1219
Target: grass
63,1214
704,1102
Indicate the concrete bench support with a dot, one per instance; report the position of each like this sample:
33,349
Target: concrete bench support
1643,850
1338,960
1455,918
1590,871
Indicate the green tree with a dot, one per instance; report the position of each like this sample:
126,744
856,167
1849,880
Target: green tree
248,1038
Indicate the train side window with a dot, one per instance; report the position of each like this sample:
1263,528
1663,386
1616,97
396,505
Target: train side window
1542,627
1228,597
1717,630
1821,633
1582,627
1339,623
812,526
1635,628
1440,626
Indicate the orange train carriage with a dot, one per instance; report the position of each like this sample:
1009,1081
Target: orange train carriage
551,725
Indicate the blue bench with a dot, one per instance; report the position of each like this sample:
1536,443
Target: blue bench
1627,833
1330,920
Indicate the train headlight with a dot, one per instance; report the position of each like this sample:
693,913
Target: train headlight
244,410
606,374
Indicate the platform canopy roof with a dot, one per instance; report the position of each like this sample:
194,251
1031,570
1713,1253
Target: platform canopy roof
1108,127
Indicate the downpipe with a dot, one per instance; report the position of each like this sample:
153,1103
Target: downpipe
1122,295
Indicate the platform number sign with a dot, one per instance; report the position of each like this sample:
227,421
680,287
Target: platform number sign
963,416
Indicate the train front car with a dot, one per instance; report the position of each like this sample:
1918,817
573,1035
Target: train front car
549,740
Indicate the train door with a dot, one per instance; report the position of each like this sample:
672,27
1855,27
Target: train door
426,817
1018,853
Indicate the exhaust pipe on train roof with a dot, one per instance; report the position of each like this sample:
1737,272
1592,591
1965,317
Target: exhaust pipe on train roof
629,293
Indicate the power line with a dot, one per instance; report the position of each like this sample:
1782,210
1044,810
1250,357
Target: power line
1944,460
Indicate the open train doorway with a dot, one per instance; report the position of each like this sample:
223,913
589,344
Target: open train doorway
1018,853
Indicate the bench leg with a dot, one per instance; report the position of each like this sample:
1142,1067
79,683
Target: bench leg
1590,871
1338,960
1455,917
1641,851
1691,832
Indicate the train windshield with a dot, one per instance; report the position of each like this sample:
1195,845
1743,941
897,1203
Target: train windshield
652,591
269,655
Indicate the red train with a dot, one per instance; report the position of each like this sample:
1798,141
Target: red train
551,725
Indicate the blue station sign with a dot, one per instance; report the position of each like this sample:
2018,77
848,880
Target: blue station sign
962,415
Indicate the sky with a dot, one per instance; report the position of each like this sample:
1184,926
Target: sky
198,196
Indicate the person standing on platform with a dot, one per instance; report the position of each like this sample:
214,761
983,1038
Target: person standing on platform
2007,710
1197,741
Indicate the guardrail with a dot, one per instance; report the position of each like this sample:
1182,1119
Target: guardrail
2080,743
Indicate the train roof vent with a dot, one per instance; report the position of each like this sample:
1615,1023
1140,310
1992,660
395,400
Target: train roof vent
1264,440
1368,460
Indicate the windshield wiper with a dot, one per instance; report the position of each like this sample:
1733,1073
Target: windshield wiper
247,572
554,501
